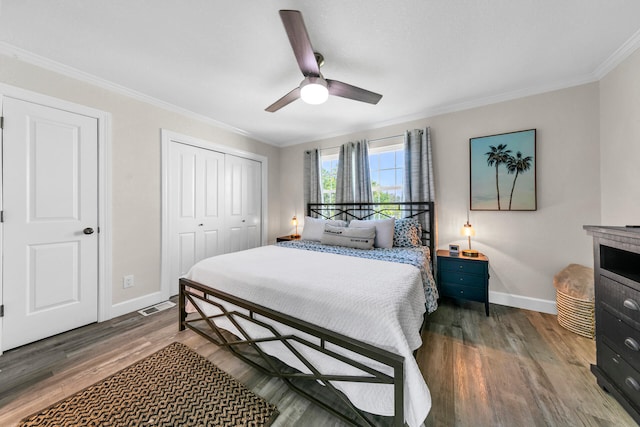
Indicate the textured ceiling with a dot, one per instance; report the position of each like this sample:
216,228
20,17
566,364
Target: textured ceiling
228,60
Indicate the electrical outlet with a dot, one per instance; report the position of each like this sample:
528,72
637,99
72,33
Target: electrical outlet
127,281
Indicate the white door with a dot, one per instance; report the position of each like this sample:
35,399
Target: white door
243,204
196,178
50,236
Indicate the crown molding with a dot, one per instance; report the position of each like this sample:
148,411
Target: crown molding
456,107
622,53
8,49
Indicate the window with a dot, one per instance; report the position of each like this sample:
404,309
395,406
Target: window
386,164
328,175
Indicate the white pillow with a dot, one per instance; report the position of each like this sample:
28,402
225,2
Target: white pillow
384,230
354,237
314,227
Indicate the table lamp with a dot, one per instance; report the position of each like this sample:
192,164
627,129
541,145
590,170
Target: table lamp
467,230
294,221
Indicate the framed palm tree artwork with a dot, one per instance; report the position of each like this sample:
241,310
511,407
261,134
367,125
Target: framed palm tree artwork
503,172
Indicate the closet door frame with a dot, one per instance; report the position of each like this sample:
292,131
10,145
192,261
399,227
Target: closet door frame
170,137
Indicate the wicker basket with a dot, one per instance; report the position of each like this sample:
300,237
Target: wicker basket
575,299
576,315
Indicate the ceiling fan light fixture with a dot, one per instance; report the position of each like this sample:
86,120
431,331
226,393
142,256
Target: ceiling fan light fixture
313,90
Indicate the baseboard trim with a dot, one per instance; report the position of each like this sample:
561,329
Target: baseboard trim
527,303
136,304
500,298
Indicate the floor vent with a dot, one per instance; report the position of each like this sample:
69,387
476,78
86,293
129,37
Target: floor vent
156,308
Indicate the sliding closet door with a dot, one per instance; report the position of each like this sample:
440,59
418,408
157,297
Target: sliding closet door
212,204
196,186
243,203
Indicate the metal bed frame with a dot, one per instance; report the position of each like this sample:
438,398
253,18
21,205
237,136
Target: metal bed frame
422,211
245,347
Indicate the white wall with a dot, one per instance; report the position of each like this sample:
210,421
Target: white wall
588,146
620,143
525,248
136,168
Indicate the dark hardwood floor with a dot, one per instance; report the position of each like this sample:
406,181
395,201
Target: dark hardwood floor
514,368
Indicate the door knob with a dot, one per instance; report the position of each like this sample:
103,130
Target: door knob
88,230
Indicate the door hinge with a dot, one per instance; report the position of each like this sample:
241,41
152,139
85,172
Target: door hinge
1,122
2,310
1,216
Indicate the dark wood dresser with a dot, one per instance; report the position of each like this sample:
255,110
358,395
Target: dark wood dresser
616,254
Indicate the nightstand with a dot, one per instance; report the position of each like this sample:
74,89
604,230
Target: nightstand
464,277
287,238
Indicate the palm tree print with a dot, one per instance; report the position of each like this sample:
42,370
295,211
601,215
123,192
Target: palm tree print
496,157
517,165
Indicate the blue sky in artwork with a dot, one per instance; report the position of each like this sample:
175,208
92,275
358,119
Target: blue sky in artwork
483,176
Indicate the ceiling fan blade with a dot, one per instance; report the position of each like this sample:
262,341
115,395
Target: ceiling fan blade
352,92
284,101
300,43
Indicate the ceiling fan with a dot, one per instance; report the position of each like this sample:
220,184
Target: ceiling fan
314,89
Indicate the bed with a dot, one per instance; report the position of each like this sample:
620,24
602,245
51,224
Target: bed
348,319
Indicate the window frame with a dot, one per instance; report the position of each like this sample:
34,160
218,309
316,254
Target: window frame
376,147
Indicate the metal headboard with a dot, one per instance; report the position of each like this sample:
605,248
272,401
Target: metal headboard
422,211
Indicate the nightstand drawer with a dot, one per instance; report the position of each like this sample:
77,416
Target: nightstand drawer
464,292
461,266
457,278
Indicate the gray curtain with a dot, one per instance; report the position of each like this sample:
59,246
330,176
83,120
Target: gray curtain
362,172
312,188
344,178
418,166
353,182
418,174
354,178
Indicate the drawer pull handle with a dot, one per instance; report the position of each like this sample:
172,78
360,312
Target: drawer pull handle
631,382
632,344
631,304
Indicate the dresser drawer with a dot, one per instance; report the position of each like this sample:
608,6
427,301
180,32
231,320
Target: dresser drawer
462,266
461,291
620,372
621,298
457,278
621,337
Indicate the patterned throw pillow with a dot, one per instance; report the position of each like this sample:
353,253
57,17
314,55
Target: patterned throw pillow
407,233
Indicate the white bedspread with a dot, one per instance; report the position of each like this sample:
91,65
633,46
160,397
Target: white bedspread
378,302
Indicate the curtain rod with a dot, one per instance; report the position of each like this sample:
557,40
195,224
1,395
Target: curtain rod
371,140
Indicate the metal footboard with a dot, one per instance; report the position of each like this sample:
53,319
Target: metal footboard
204,325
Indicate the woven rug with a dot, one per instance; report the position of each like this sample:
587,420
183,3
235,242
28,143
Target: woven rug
172,387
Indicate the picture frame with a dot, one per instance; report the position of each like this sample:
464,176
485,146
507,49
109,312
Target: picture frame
502,172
